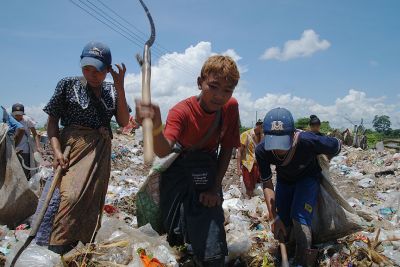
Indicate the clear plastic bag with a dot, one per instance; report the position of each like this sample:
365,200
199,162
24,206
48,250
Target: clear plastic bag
37,256
144,237
38,180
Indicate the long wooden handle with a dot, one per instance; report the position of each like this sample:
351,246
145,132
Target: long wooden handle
285,261
57,175
148,140
146,99
42,212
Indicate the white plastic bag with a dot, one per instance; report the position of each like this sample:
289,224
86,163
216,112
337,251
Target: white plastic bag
238,236
35,255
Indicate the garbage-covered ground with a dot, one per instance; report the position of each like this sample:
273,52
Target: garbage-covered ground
368,180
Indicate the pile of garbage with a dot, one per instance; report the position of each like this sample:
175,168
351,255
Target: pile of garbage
368,179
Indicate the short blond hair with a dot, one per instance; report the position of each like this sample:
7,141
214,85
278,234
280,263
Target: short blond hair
222,66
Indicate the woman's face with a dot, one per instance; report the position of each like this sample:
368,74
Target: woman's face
94,77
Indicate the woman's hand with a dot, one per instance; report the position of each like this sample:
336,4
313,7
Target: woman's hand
59,159
119,76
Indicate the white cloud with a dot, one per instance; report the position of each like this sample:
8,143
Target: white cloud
354,106
174,76
37,113
308,44
173,81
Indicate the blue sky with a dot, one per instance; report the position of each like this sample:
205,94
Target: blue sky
341,58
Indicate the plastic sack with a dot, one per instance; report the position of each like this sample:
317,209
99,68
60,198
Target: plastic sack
17,201
148,196
238,236
334,217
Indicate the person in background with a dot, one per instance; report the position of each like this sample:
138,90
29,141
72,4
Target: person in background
315,125
292,203
15,129
246,158
23,148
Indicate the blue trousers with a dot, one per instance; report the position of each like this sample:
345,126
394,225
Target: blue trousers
297,201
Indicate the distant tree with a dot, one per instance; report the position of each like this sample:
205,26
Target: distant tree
325,127
396,133
302,123
381,124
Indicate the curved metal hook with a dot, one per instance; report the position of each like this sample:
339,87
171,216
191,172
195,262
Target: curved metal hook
145,62
153,29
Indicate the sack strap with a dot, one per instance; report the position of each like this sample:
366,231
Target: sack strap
210,131
292,150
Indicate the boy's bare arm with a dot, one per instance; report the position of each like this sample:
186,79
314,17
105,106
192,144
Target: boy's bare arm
162,146
277,225
18,136
269,195
37,139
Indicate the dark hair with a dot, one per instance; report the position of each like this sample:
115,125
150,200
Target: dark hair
314,120
259,122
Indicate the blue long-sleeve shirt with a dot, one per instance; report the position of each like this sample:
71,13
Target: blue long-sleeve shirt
13,124
304,161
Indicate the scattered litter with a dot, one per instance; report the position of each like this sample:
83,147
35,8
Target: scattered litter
367,179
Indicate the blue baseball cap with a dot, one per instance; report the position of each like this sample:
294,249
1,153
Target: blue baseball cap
96,54
278,128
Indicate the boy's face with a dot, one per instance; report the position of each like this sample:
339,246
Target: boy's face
215,92
94,77
18,117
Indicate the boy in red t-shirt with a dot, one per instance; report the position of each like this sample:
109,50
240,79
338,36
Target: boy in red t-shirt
191,206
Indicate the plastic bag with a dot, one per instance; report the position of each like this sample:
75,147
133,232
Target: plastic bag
148,196
145,238
238,236
17,201
35,255
36,181
334,217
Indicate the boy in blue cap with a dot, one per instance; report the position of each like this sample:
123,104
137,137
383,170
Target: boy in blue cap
294,154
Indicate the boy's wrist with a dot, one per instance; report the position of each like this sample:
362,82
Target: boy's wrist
276,218
158,130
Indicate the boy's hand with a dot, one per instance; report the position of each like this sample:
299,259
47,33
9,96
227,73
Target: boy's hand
151,111
210,198
279,230
119,76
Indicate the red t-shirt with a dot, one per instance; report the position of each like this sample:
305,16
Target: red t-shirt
187,123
